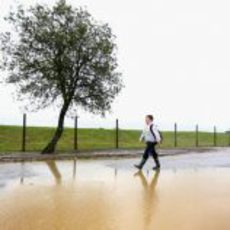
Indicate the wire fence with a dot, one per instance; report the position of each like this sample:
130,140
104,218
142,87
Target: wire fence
26,138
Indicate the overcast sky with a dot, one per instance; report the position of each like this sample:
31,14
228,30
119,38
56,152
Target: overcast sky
175,61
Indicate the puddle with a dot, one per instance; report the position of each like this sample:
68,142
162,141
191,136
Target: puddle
101,195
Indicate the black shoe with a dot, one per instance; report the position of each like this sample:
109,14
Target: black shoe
138,167
141,164
157,167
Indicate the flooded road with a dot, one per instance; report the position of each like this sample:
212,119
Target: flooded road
190,192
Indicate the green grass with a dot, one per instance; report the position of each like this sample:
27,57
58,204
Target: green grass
92,139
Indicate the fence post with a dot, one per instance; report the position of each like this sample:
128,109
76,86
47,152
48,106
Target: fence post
117,134
197,135
24,133
76,133
215,136
229,138
175,135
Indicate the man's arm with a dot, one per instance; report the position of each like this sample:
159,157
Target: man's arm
142,136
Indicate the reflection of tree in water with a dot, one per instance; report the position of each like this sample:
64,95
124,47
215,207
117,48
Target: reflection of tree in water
149,197
52,167
54,170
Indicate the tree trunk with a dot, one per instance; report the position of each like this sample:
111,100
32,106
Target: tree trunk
50,148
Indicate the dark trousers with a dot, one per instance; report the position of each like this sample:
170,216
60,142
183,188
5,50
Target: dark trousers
150,150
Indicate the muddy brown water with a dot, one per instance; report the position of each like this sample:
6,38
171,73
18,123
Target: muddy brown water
190,192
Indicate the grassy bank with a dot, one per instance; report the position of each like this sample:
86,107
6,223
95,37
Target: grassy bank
91,139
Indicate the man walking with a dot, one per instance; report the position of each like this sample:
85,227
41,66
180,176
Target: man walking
152,137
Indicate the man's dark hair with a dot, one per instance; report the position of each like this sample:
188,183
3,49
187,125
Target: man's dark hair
150,117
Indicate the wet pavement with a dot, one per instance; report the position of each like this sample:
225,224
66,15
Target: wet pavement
189,192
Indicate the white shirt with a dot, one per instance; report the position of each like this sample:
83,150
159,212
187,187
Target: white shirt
147,135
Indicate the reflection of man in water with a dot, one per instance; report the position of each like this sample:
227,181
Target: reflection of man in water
149,196
152,137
